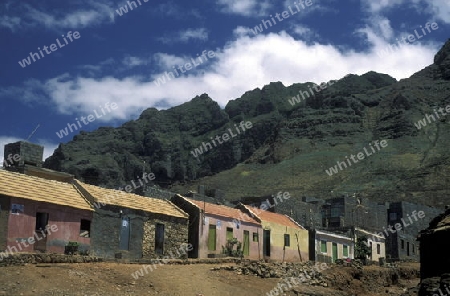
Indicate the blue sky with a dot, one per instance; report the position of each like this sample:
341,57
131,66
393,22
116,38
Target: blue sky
121,57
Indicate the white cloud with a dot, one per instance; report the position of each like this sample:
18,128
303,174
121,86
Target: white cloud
440,9
11,23
380,5
304,32
437,9
49,147
167,61
26,16
245,7
243,64
185,35
131,62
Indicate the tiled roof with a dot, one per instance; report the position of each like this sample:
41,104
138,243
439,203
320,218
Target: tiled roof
132,201
223,211
43,190
273,217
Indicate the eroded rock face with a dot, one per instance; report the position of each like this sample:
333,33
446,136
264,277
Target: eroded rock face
288,140
442,60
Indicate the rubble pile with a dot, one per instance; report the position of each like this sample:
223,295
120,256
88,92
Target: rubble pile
308,272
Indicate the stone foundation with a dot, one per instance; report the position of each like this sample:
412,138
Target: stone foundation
20,259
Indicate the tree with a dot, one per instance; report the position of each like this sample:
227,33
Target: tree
362,248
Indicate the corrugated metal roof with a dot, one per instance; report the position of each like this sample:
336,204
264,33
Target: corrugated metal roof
224,211
273,217
43,190
133,201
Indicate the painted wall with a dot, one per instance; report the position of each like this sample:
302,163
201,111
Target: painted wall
4,213
375,255
21,226
290,253
328,255
255,248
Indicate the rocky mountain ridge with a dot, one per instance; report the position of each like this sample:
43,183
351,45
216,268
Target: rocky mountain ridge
289,146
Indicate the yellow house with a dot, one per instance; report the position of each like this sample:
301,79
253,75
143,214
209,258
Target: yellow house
283,238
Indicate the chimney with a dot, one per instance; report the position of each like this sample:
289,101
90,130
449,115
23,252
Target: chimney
26,158
22,153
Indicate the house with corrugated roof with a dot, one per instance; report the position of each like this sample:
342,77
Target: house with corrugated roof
212,226
283,239
41,215
130,226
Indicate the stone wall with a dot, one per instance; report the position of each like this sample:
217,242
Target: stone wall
20,259
105,233
175,236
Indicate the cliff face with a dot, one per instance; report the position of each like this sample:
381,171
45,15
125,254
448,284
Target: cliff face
290,144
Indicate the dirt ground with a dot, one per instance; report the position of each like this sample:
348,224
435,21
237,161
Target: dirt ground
197,280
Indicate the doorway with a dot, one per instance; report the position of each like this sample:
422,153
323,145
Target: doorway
124,243
266,243
335,252
41,232
246,247
159,239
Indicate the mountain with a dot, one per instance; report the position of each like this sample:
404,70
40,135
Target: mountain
291,144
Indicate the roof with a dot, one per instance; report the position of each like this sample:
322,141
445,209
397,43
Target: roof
273,217
132,201
370,233
42,190
332,234
222,211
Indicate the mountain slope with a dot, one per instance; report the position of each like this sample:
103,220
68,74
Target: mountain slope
290,145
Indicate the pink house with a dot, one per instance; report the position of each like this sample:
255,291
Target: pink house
40,215
211,225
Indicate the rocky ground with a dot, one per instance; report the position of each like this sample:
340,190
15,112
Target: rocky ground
246,278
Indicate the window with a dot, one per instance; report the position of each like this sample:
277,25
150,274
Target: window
345,251
255,237
402,244
323,246
85,228
41,221
229,233
413,249
287,240
378,249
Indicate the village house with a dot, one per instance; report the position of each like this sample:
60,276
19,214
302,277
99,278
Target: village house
434,262
403,244
212,225
375,241
40,215
325,246
130,226
283,239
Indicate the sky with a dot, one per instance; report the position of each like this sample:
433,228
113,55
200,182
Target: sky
79,65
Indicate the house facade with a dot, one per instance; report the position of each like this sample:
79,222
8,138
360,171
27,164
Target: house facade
211,226
130,226
40,215
376,242
283,239
403,244
327,247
